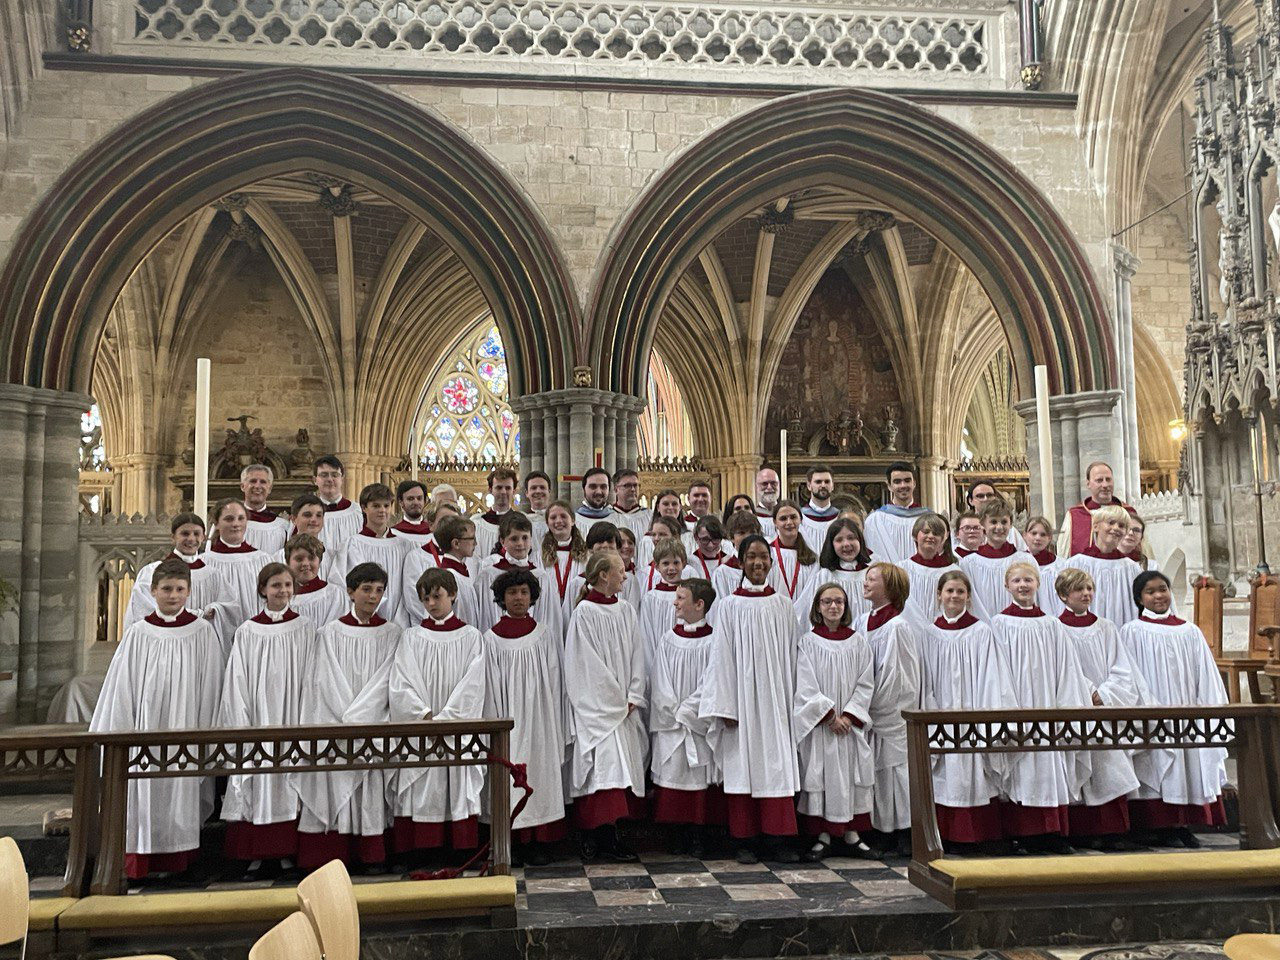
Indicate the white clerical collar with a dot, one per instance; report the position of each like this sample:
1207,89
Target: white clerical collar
754,587
232,546
330,503
441,622
813,505
356,617
194,558
848,565
1024,606
169,619
261,509
1155,617
954,619
697,624
275,616
564,543
884,606
526,562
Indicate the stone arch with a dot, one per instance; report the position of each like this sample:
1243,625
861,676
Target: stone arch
79,246
896,154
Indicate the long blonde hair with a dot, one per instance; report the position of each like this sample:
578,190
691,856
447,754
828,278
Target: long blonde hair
577,546
597,566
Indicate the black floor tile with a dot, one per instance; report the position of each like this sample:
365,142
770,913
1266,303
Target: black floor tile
582,901
697,895
676,866
757,876
621,883
826,891
555,871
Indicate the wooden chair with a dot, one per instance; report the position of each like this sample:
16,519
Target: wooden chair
14,894
328,900
293,938
1208,595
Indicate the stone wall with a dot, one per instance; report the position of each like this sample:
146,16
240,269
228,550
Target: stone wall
1162,286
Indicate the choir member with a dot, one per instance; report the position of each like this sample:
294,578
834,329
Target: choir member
437,673
968,535
262,687
436,512
564,551
1179,788
795,563
982,493
502,495
524,681
306,515
835,679
444,493
1100,816
632,591
889,528
456,538
657,614
1135,546
749,702
1077,525
843,560
605,687
986,568
662,525
930,560
344,813
165,675
819,512
1046,674
595,499
316,598
709,542
963,668
738,503
897,688
627,511
210,595
768,492
726,577
686,780
602,537
342,518
699,498
1113,573
234,558
411,498
537,497
515,536
375,543
1038,533
267,531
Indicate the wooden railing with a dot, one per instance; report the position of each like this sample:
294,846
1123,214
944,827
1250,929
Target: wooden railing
1253,732
102,765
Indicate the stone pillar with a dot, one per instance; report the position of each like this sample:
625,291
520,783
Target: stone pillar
734,474
139,480
575,423
39,544
1084,427
1128,475
934,487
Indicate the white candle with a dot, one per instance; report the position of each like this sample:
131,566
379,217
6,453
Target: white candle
782,474
1047,507
202,438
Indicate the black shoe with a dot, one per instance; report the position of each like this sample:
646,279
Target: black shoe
904,844
537,855
619,852
816,853
1118,844
588,848
697,845
1165,838
777,850
1187,838
1058,845
746,855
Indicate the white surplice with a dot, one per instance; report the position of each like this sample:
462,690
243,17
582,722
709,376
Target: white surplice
486,525
269,536
466,605
726,577
546,610
888,532
835,673
814,526
414,532
636,520
1046,674
342,521
321,602
922,606
787,575
1109,672
263,688
752,681
388,552
897,687
963,668
1174,660
165,675
1049,565
347,684
681,758
211,592
985,568
1113,575
438,673
239,566
657,617
524,681
604,675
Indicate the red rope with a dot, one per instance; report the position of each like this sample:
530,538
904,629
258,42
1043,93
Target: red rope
520,780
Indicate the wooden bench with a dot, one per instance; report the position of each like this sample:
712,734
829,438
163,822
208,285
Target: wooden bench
965,883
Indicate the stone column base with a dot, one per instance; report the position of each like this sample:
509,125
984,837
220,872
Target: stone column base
1084,427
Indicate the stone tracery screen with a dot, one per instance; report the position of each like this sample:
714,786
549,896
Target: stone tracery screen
547,31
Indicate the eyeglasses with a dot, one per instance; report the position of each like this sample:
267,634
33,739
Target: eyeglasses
830,602
328,475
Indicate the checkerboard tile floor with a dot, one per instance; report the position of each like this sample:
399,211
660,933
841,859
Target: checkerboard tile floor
660,878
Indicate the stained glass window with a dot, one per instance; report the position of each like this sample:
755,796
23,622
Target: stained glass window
467,416
664,430
93,455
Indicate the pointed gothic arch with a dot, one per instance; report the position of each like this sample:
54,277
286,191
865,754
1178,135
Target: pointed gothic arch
88,234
